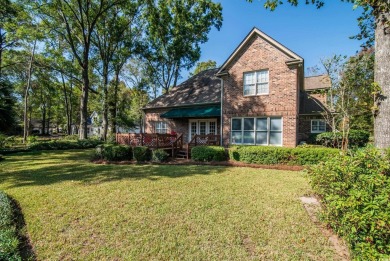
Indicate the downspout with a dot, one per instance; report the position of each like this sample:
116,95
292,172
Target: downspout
221,123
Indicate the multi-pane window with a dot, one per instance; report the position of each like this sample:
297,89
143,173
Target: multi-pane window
257,131
318,126
256,83
160,127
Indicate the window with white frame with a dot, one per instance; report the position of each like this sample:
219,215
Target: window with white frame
318,126
257,131
160,127
256,83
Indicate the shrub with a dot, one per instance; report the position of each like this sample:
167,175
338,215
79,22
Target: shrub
208,153
113,152
1,157
281,155
31,139
141,153
71,137
160,155
3,140
355,190
65,144
9,241
356,138
387,154
312,139
88,143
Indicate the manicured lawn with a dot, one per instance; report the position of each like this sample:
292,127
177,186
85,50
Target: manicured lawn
76,210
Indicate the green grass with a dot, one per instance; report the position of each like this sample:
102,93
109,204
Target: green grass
76,210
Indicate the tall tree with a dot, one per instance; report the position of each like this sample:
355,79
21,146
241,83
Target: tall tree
175,30
113,29
358,78
202,66
75,21
379,12
8,12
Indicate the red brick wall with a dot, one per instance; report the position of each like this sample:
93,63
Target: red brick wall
282,99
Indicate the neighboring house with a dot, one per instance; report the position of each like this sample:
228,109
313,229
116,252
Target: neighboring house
36,127
95,127
259,96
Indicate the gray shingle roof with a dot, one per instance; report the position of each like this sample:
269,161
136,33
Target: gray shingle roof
317,82
202,88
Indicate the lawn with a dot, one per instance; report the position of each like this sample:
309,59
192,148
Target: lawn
77,210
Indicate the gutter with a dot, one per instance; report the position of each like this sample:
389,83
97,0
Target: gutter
181,105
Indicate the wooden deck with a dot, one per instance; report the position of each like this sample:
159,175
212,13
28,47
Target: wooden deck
171,142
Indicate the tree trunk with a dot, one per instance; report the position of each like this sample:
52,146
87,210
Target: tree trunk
43,130
115,103
67,106
25,113
105,102
48,116
83,105
382,77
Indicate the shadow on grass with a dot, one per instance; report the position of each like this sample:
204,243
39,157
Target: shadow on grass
25,247
49,167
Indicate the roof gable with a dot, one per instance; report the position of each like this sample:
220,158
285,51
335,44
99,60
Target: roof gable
294,58
203,88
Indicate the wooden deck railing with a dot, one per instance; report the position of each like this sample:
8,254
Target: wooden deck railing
151,140
172,142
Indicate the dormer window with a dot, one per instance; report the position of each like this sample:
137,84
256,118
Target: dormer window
256,83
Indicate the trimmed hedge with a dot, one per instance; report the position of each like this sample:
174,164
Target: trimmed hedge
281,155
159,155
208,153
113,152
356,138
9,242
65,144
141,153
354,190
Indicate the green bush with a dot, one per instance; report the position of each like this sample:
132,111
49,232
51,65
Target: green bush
141,153
208,153
356,138
281,155
387,153
355,190
71,137
9,242
113,152
159,155
65,144
1,157
31,139
3,140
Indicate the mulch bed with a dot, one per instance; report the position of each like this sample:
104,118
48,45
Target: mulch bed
214,163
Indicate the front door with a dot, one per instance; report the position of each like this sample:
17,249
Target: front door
202,127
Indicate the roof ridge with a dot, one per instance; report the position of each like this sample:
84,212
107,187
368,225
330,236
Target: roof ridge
317,75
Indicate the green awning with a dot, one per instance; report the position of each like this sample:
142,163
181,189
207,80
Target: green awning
193,112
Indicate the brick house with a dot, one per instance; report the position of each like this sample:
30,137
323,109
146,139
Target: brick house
259,96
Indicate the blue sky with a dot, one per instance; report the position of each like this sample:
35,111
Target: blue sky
311,33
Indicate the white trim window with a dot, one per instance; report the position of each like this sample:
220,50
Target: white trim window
257,131
256,83
318,126
161,127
